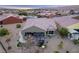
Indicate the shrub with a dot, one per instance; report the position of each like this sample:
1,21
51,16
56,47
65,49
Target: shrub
39,16
76,17
56,51
3,32
60,46
9,48
63,32
19,44
72,12
25,14
67,51
18,26
76,42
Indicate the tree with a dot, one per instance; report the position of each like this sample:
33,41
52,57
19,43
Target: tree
19,44
72,11
18,26
3,32
76,17
63,32
23,13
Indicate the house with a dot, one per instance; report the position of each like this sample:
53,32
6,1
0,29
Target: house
62,13
37,28
10,19
71,24
74,26
45,15
73,34
74,31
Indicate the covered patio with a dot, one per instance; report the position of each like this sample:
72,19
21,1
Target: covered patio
33,32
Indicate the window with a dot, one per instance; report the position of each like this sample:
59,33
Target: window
28,33
70,35
39,34
25,34
50,32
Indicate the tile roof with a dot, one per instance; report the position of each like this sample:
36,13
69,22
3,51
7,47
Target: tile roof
72,31
74,26
66,21
2,17
42,23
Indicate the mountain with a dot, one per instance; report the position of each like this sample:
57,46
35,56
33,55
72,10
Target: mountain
69,7
28,6
57,7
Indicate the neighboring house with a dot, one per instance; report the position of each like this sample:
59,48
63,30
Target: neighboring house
71,24
65,21
45,14
38,28
74,31
31,17
10,19
74,34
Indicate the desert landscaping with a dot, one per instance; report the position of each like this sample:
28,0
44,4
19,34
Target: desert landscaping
39,30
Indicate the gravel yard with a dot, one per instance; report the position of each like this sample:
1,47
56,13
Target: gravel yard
1,49
13,38
67,45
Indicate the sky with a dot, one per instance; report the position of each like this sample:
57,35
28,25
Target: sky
29,6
